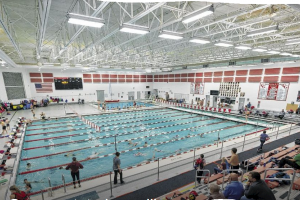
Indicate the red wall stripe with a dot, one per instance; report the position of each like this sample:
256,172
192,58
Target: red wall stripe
218,74
48,80
149,76
207,80
184,80
198,80
256,71
177,80
122,80
271,79
240,79
87,80
191,80
241,72
272,71
105,80
96,80
184,75
191,74
228,79
291,70
155,76
149,80
171,75
143,80
289,79
254,79
96,76
35,74
229,73
113,80
121,76
87,75
217,80
171,80
208,74
199,74
155,80
36,80
113,76
47,74
177,75
105,76
143,76
128,80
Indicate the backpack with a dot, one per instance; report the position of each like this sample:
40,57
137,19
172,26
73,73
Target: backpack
199,163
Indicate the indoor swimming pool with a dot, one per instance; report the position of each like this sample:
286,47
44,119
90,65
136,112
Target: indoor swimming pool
48,145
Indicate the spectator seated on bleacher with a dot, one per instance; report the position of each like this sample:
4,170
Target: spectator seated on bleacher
257,113
281,114
220,167
234,189
293,162
290,111
264,114
215,192
255,188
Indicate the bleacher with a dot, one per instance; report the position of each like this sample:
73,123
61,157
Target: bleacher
265,170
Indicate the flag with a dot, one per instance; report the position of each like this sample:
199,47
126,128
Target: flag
43,87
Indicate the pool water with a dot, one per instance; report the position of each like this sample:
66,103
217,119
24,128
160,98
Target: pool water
124,105
54,139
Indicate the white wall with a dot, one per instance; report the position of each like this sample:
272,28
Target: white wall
250,89
89,89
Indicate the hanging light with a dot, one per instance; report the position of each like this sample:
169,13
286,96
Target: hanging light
263,31
224,44
208,10
171,35
129,28
199,40
85,20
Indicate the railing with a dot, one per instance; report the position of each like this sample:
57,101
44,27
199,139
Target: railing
205,176
261,157
156,171
281,179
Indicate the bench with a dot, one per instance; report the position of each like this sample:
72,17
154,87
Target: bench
213,178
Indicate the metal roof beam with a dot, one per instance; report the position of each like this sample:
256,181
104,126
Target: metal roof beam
43,14
9,30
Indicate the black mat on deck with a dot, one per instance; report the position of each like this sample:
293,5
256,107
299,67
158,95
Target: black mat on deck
166,186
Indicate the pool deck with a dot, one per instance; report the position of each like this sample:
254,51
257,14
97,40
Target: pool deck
135,177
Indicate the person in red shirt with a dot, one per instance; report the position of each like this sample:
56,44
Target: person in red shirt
17,194
75,166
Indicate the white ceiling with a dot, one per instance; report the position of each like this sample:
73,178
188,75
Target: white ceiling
36,32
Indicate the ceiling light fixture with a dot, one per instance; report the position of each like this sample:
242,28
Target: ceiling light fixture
293,41
129,28
260,49
285,54
273,52
198,14
261,31
224,44
171,35
85,20
243,47
199,40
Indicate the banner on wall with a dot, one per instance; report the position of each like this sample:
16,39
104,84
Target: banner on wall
273,91
197,88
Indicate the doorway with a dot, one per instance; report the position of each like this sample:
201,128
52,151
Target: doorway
207,100
138,95
215,100
147,94
241,103
130,95
100,95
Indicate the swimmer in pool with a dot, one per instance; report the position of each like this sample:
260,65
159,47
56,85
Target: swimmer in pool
201,134
178,151
93,155
69,154
157,150
28,166
139,154
176,137
146,144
